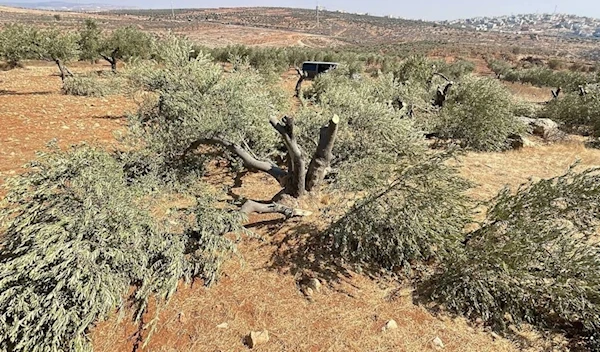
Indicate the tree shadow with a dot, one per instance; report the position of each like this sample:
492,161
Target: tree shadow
15,93
110,117
304,248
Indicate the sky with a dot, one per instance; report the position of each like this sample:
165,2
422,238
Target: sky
414,9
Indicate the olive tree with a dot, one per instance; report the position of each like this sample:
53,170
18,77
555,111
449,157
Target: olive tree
124,44
535,258
53,44
17,42
90,36
198,104
78,232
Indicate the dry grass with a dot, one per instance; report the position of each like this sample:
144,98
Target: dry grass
529,93
492,171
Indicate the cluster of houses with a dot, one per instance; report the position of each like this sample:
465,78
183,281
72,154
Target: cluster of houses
533,23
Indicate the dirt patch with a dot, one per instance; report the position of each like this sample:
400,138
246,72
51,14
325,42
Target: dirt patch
35,111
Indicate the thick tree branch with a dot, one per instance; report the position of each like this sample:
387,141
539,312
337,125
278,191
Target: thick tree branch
272,208
249,161
301,77
442,94
442,75
321,161
556,93
297,182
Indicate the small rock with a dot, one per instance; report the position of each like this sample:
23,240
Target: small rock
308,292
495,336
479,321
258,338
181,317
223,326
390,325
315,285
438,343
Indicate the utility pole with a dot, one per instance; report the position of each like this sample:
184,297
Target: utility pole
172,10
317,13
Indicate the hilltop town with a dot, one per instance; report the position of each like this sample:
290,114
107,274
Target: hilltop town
548,24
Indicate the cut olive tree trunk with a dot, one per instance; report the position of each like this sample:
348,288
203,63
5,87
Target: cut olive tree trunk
320,164
297,179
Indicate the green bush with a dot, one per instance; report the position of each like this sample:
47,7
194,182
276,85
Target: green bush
92,86
479,113
418,216
534,259
573,110
77,236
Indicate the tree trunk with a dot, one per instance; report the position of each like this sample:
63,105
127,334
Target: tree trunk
248,160
301,77
64,71
321,161
296,180
296,185
112,60
441,95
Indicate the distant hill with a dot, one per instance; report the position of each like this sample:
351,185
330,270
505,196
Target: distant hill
64,6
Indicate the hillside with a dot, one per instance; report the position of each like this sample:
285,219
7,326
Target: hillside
298,27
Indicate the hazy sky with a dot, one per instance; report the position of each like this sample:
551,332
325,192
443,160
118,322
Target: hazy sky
424,9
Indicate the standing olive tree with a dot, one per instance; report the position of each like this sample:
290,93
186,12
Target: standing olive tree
90,36
17,42
124,44
59,47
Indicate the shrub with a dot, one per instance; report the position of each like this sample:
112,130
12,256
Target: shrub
533,260
479,113
195,99
555,64
573,110
76,237
541,76
91,86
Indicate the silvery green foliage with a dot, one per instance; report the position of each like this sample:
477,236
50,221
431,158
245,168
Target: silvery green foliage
196,99
373,133
17,43
535,257
91,85
479,113
541,76
418,216
573,110
413,206
54,44
77,235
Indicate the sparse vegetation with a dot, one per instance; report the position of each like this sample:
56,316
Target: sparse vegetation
541,76
575,111
93,86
